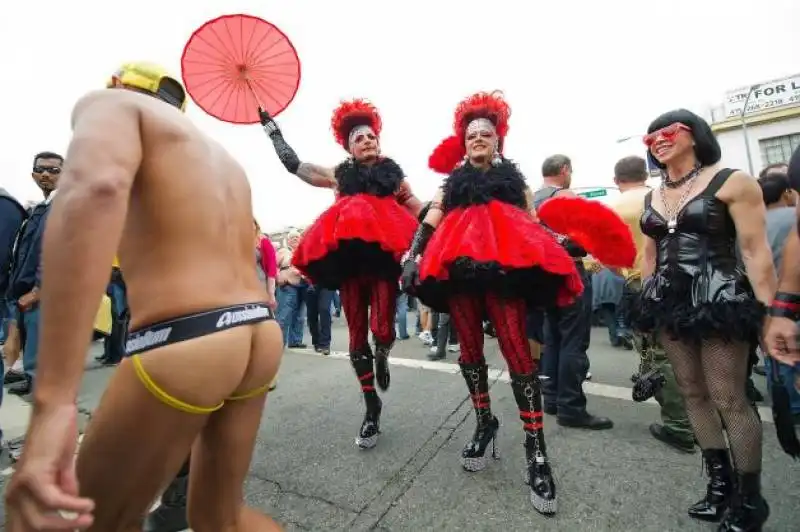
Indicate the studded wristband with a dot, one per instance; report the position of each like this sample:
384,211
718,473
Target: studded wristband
785,305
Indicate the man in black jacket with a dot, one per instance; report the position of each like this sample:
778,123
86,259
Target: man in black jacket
566,330
25,278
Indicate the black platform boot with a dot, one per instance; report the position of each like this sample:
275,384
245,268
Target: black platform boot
370,428
382,365
719,489
473,457
170,514
528,394
748,510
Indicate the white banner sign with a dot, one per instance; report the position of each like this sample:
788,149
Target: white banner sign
765,97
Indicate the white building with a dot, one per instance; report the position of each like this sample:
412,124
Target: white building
772,122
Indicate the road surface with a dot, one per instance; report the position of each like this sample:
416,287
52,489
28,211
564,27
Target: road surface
307,473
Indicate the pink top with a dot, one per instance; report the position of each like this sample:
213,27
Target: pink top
269,261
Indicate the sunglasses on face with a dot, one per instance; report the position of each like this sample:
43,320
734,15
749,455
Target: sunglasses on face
669,133
52,170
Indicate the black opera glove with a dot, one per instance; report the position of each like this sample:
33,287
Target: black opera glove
286,153
269,125
410,263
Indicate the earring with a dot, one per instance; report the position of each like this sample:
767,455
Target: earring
497,159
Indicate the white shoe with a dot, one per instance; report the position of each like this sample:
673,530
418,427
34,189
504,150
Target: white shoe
454,348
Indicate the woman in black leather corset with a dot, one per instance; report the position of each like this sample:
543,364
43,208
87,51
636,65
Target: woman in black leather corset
706,307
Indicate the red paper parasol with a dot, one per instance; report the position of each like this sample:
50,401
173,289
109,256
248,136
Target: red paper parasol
234,64
595,227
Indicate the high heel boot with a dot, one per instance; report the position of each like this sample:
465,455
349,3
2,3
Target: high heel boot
370,428
473,457
748,510
719,489
382,365
528,394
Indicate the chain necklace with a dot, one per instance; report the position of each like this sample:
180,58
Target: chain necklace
672,211
677,183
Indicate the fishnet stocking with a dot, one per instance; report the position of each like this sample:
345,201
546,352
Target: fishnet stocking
725,366
712,379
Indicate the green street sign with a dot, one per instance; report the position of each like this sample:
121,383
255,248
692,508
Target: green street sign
596,193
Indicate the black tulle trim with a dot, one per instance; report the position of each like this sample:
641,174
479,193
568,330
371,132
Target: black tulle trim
352,258
538,287
726,320
381,179
468,185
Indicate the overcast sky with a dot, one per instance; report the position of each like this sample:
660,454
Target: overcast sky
578,75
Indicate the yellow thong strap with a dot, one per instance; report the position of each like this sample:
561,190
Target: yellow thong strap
252,393
176,403
166,398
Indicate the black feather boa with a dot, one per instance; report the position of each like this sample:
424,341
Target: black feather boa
468,185
380,179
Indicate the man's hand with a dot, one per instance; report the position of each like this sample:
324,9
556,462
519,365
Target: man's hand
267,122
780,338
43,493
272,303
28,300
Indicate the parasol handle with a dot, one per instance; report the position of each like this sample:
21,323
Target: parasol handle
246,77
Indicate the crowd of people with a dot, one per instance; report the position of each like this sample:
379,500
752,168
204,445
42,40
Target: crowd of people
482,257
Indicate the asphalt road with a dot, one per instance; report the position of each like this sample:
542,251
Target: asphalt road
307,473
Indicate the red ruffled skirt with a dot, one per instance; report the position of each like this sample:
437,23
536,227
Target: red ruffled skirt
496,247
358,235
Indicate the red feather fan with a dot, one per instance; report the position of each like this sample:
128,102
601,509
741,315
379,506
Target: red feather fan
354,113
592,225
447,155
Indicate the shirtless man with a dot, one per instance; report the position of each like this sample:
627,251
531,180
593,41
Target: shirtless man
141,179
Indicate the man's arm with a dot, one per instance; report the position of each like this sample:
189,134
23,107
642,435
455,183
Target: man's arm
83,231
405,197
749,216
312,174
531,203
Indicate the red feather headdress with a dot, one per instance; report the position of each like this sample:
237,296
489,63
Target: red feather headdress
352,114
451,150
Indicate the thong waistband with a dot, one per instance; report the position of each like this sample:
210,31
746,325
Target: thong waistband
195,325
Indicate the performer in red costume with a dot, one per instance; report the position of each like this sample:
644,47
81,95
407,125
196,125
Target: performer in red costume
480,250
356,245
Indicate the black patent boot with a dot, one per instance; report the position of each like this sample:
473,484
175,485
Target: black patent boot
539,477
719,489
473,457
748,510
170,514
370,428
382,366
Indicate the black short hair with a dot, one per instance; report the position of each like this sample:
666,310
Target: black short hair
706,147
774,168
631,169
47,155
794,170
552,166
773,186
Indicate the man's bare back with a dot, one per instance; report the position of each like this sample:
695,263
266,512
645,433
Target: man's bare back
143,182
189,221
